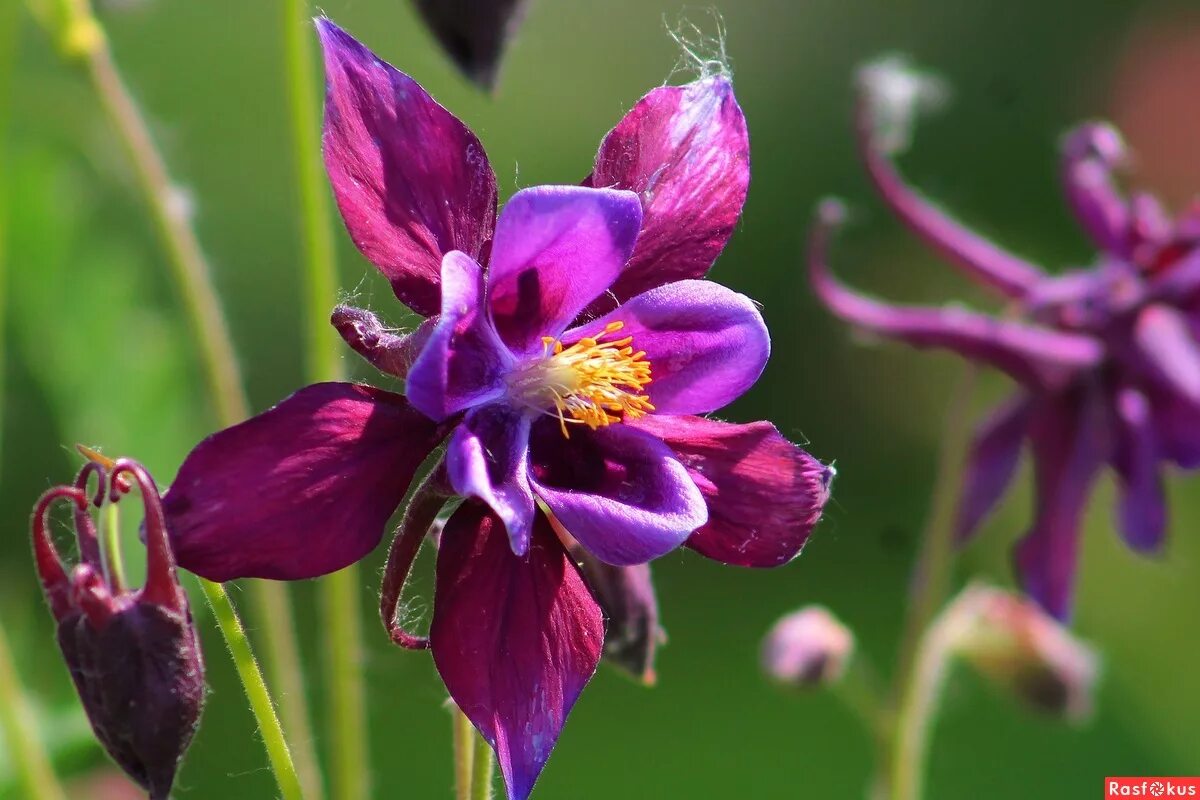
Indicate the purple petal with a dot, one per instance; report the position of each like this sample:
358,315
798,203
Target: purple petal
1030,354
991,464
1090,153
1179,282
1070,441
388,352
515,639
488,458
301,490
976,256
557,248
463,363
620,492
1165,343
1141,507
1177,423
474,32
764,494
706,344
626,595
412,182
686,152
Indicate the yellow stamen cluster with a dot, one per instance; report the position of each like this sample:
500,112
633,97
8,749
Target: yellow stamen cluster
593,382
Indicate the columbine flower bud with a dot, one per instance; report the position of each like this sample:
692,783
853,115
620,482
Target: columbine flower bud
1012,642
807,648
133,654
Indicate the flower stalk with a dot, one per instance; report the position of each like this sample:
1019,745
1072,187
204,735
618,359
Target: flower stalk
82,40
482,770
464,753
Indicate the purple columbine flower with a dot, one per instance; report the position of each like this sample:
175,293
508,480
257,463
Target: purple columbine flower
569,348
1106,357
134,655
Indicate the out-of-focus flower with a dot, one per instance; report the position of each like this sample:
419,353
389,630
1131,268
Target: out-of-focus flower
474,33
133,654
1107,357
570,346
807,648
1015,644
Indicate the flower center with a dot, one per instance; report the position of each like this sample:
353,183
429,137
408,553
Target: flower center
593,382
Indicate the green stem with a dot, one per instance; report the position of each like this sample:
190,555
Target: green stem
464,753
21,734
350,772
343,641
110,550
256,690
930,585
81,38
483,769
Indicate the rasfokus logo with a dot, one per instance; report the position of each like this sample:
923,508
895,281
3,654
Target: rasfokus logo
1151,787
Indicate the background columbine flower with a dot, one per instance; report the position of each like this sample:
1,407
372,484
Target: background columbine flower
1107,357
133,654
569,346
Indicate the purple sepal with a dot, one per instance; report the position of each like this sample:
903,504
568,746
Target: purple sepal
301,490
686,152
1142,504
514,639
764,494
620,492
411,181
991,464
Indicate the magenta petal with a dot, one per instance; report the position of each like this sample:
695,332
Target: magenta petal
411,180
1090,153
991,463
1141,506
557,248
626,595
1070,441
301,490
706,344
764,494
1030,354
620,492
463,363
1177,423
686,152
514,639
488,458
1165,343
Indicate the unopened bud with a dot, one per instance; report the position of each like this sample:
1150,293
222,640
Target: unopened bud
807,648
133,654
1015,644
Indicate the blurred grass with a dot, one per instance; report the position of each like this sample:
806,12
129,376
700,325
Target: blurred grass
96,353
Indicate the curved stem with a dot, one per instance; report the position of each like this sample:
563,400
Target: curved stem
82,38
21,735
256,690
464,753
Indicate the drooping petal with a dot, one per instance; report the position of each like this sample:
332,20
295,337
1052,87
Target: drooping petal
411,181
626,595
1090,153
706,344
1141,505
620,492
390,353
463,363
991,463
514,639
889,92
474,32
488,458
764,494
301,490
686,152
557,248
1164,341
1030,354
1070,441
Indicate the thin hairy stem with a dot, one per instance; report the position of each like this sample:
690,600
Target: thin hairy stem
483,769
261,706
464,753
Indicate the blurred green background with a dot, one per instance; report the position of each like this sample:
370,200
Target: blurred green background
95,352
